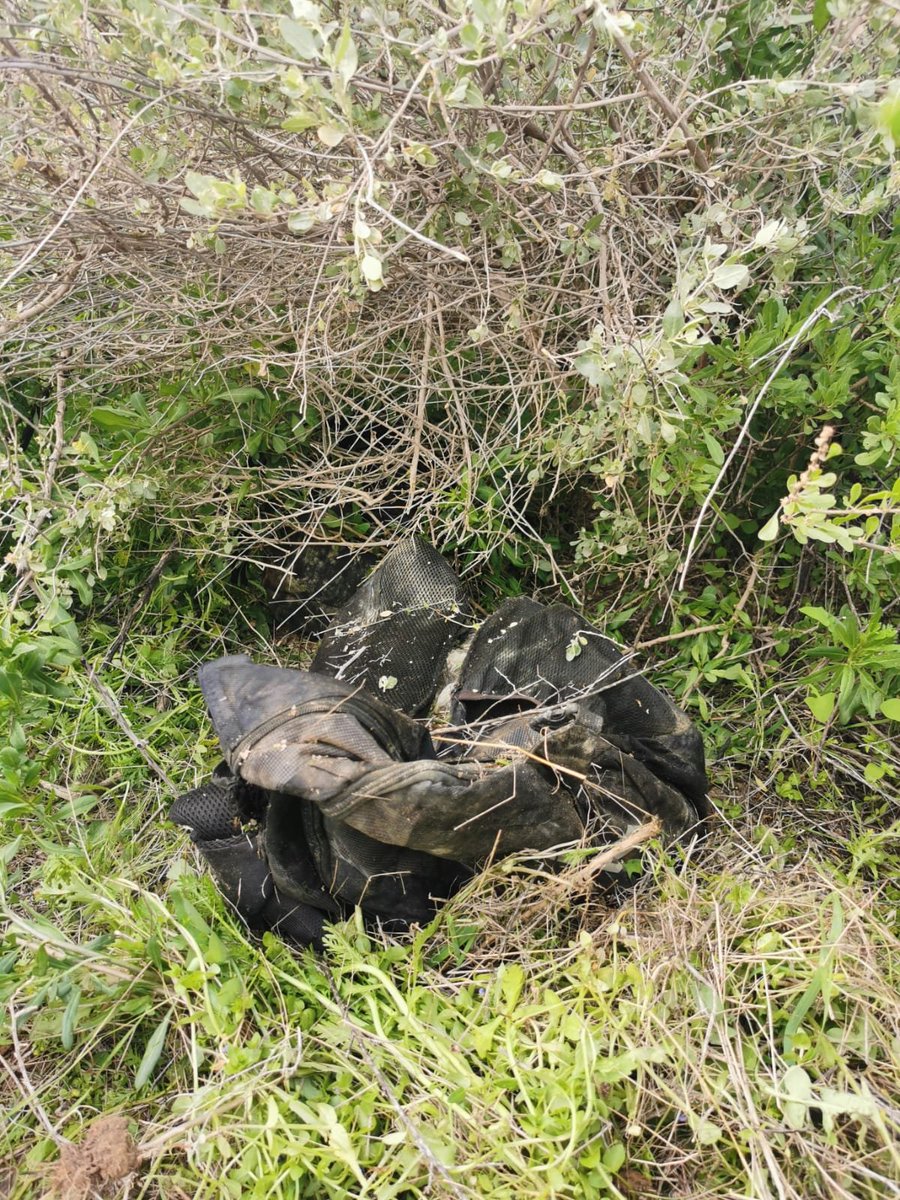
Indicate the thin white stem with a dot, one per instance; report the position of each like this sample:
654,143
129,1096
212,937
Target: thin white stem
821,310
67,211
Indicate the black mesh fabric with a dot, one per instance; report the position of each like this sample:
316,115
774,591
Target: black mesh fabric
210,811
394,635
332,796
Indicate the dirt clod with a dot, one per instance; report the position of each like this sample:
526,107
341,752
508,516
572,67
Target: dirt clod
107,1154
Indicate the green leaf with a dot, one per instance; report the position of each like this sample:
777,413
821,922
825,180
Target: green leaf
673,319
769,531
482,1036
239,395
152,1053
794,1097
330,135
299,122
574,647
200,185
216,950
814,990
833,1102
821,15
301,222
112,418
614,1157
731,275
716,453
549,180
707,1132
824,617
301,39
370,266
420,153
619,1066
70,1017
590,366
195,208
768,233
512,981
346,57
822,706
888,120
891,709
85,444
263,200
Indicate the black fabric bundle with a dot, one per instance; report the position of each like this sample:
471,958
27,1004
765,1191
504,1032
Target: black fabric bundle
332,794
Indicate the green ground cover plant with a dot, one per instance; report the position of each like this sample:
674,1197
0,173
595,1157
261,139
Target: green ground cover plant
604,302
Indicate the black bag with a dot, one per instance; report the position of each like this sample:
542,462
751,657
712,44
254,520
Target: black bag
331,794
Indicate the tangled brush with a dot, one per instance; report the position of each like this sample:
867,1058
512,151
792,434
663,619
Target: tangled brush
400,230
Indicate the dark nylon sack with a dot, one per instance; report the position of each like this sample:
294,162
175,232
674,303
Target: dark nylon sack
332,796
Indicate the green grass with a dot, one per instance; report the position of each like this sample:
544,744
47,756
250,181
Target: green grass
730,1030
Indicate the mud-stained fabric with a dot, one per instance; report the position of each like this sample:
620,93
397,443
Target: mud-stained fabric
332,795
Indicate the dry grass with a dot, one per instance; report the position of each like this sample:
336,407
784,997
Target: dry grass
428,390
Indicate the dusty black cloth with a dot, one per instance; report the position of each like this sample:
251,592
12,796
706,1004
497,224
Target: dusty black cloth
332,795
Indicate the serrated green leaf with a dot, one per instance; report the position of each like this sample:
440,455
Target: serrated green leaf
833,1102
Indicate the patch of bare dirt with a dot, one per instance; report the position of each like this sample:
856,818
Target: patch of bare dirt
107,1154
